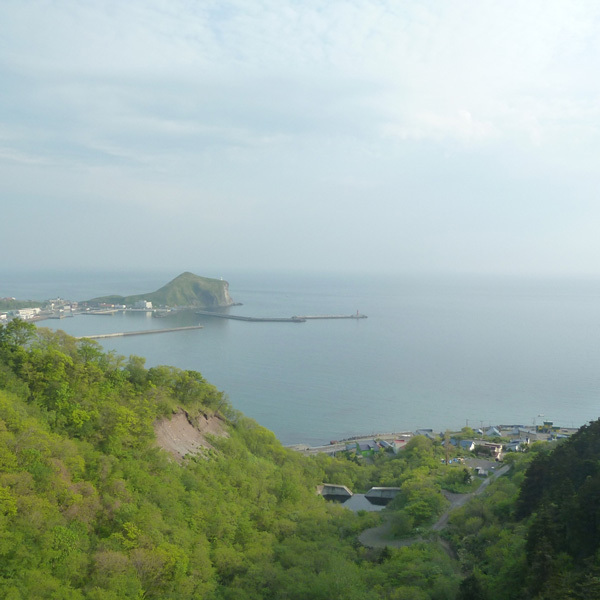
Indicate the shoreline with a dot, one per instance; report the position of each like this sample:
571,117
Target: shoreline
340,445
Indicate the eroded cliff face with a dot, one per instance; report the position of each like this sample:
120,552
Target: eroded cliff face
181,435
227,298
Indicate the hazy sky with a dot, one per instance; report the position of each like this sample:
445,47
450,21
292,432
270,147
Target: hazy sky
353,134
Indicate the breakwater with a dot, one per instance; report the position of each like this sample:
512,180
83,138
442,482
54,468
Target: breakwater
144,332
294,319
356,316
207,313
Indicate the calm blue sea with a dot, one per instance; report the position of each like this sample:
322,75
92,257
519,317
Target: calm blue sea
434,352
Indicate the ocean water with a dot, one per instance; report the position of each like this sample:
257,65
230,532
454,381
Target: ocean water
438,352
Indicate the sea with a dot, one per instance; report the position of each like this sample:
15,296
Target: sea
437,352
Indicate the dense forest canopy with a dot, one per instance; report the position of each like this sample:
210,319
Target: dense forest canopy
91,507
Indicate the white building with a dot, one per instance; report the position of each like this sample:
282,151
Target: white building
27,313
143,304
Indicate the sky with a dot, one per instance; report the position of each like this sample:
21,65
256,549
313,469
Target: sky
352,135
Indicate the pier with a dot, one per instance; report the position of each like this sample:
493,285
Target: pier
145,332
356,316
207,313
294,319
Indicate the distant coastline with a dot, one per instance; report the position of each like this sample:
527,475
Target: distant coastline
335,446
433,352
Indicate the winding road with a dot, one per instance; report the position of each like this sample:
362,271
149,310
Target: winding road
381,536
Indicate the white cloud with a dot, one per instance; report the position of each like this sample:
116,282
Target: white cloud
417,69
244,108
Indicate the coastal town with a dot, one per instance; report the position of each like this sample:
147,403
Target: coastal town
58,308
491,443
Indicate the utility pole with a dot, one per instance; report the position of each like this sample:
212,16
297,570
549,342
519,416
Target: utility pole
447,446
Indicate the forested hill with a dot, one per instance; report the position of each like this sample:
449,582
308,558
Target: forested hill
537,534
186,289
92,508
561,497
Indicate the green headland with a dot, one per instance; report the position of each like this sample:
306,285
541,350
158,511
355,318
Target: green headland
185,290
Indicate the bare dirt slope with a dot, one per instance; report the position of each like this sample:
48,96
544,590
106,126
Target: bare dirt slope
181,435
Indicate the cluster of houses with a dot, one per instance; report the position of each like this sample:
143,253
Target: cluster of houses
56,308
26,314
520,438
369,447
490,442
137,305
143,304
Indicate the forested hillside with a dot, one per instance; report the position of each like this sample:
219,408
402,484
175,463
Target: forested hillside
91,507
536,533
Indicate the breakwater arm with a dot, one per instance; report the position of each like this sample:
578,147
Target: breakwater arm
356,316
207,313
145,332
294,319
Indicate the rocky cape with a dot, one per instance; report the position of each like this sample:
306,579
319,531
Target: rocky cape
186,290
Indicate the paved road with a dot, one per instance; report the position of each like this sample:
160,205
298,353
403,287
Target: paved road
461,499
380,537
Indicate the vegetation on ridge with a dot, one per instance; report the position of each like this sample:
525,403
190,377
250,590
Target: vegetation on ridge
185,290
14,304
91,508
